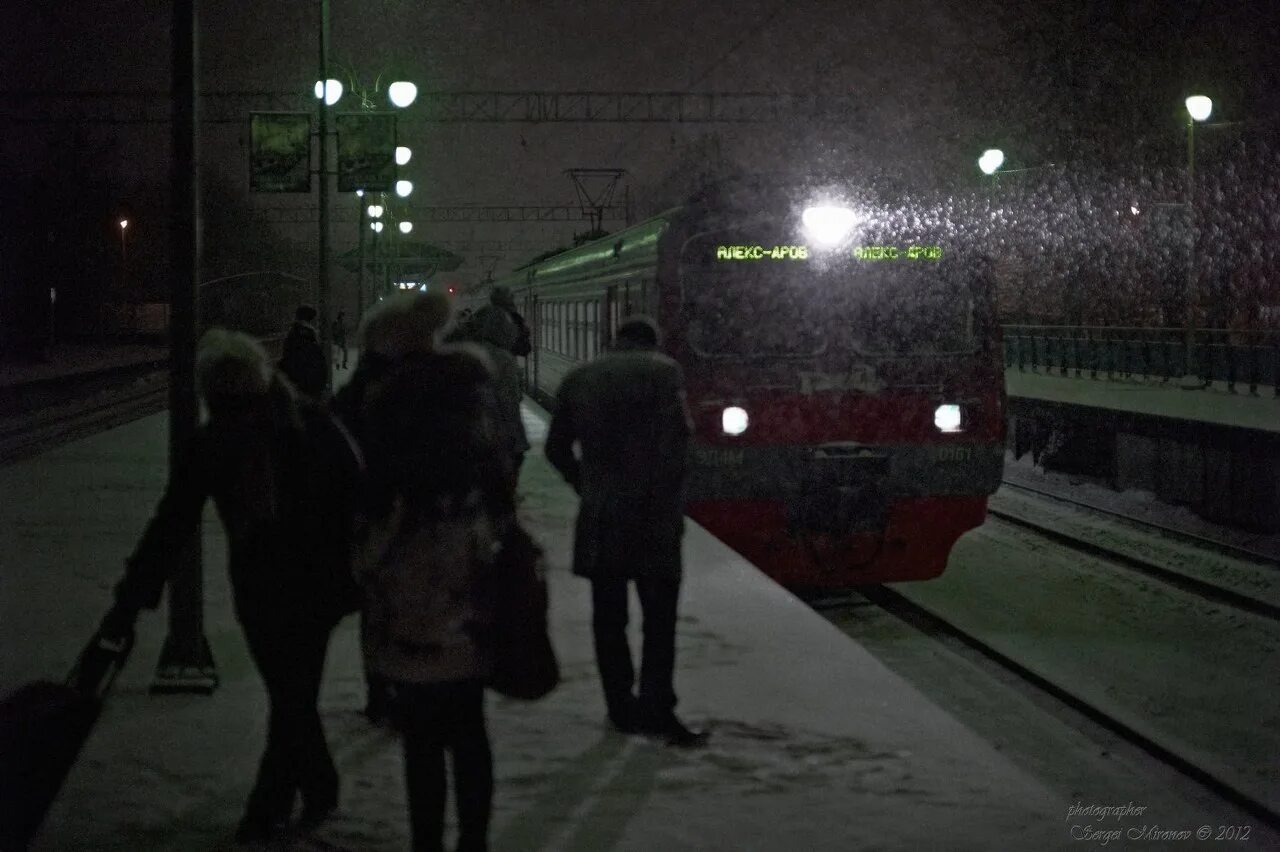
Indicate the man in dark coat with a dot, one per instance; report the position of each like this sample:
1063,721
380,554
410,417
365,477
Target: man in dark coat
627,412
284,477
501,298
493,328
302,360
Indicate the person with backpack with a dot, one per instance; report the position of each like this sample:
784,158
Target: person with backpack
438,503
284,476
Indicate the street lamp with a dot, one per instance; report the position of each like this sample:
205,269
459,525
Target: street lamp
334,91
124,255
402,93
402,155
991,159
403,188
406,227
1199,108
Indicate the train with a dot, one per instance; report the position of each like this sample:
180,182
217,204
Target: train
842,365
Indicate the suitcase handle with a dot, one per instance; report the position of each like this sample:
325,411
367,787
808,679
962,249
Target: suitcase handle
100,663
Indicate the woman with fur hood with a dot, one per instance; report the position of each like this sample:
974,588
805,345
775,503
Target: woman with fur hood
438,501
284,477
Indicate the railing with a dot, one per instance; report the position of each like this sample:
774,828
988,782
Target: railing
1163,354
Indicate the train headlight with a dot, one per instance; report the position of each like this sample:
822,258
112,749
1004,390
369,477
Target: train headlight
828,225
947,418
733,420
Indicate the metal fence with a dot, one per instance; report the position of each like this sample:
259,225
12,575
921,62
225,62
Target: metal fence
1249,358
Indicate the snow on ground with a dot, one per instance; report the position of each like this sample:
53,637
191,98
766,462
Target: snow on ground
1150,396
815,744
1192,675
1142,505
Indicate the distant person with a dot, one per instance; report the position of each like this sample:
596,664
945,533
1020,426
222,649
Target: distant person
493,328
302,359
627,413
501,298
340,336
438,501
284,476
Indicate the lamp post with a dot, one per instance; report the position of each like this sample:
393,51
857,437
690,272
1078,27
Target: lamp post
1199,108
401,93
124,254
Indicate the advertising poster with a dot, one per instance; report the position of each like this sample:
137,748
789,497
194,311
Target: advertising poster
280,152
366,151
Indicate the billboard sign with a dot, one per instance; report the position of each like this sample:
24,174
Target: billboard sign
280,152
366,151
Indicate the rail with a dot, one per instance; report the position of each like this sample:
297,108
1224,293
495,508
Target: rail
1109,352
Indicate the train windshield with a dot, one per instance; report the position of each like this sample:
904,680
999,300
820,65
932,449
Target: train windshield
747,298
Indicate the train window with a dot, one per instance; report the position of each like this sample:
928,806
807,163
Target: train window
577,330
593,328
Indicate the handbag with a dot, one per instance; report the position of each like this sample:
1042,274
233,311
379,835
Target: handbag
525,665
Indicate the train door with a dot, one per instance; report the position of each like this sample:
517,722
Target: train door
609,317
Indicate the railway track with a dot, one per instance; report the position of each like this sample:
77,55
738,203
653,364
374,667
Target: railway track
1179,579
1173,533
47,428
936,625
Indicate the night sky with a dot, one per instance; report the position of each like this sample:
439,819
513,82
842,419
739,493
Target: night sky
1099,84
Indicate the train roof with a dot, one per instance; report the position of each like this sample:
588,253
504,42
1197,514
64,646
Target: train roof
627,246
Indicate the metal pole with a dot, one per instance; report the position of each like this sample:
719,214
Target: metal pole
322,272
186,662
1189,379
360,267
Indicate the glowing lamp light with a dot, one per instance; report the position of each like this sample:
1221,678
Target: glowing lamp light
335,91
359,193
991,159
734,420
402,93
124,223
376,227
375,211
406,227
947,418
827,225
1199,107
403,188
402,155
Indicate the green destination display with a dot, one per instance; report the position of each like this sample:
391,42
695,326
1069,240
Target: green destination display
910,252
801,252
762,252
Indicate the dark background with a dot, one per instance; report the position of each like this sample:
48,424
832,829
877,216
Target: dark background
1094,87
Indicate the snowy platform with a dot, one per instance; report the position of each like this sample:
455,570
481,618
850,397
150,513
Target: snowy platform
815,744
1154,398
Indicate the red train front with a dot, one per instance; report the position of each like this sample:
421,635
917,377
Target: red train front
843,377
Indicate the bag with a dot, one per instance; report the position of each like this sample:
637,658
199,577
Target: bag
43,727
525,665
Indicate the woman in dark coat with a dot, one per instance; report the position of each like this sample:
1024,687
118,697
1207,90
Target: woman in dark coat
439,499
284,477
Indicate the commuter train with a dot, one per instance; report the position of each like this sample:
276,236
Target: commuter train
842,369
